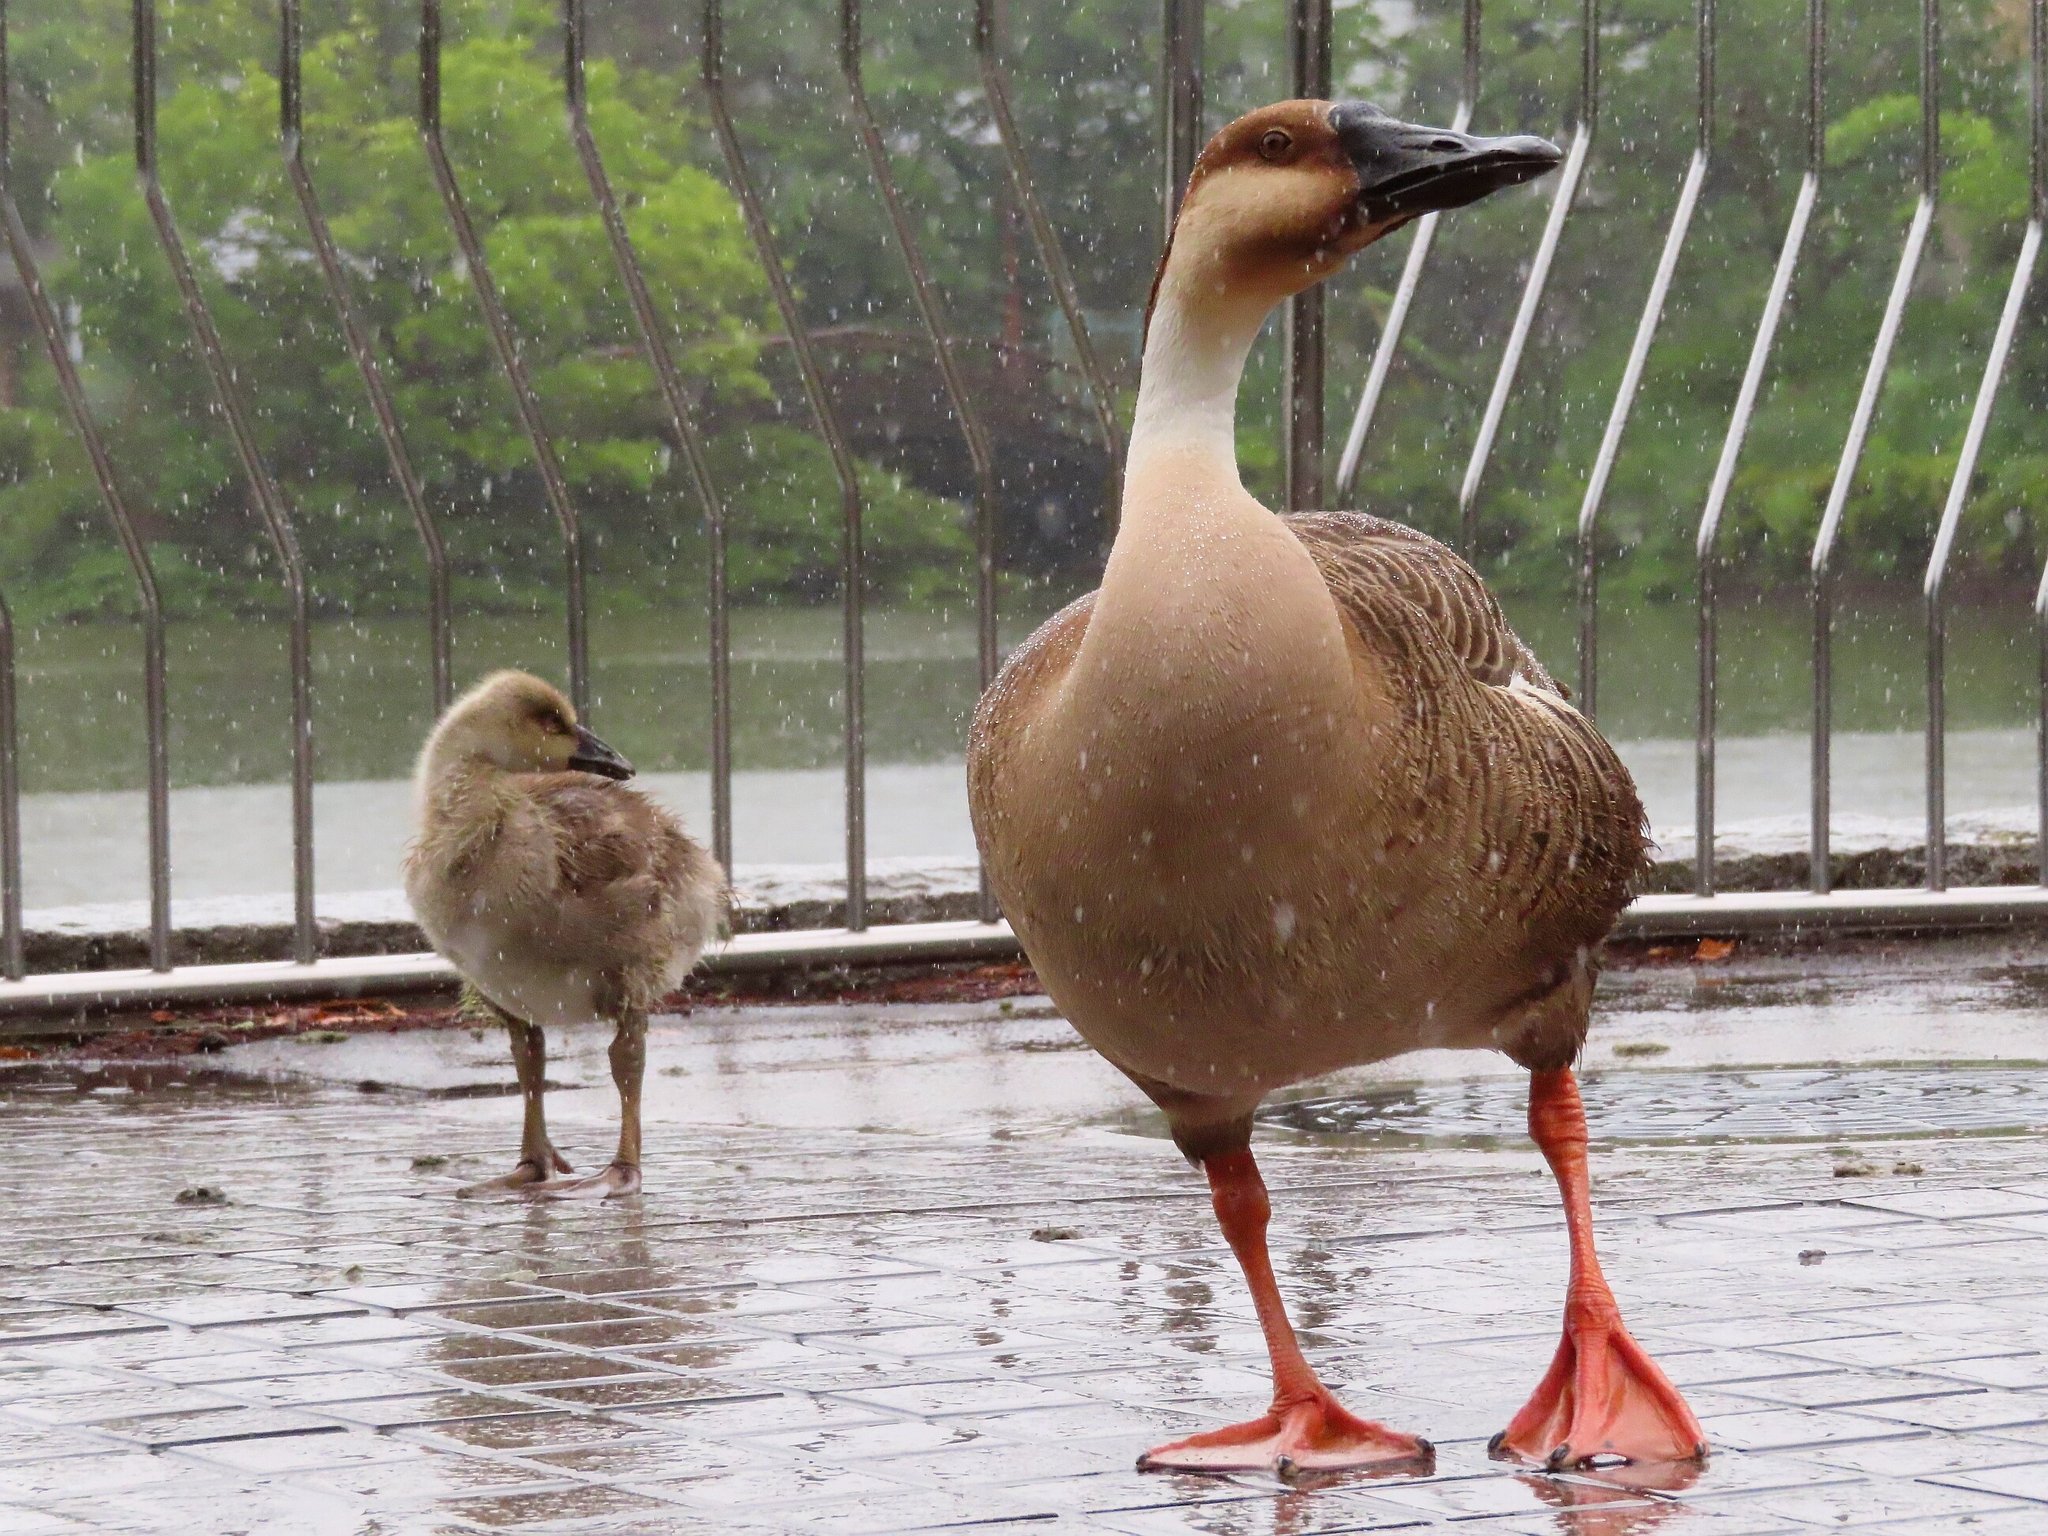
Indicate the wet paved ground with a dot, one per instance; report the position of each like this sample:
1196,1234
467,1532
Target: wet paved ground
920,1267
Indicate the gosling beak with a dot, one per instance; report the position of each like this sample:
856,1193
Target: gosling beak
593,756
1405,170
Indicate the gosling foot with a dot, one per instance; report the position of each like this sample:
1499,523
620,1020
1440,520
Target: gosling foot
1311,1434
1603,1396
529,1173
611,1182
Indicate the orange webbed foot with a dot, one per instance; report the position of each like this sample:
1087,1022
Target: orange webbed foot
1312,1434
1603,1396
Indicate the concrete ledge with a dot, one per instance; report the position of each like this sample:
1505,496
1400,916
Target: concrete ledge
276,980
241,930
1779,913
1793,914
1757,857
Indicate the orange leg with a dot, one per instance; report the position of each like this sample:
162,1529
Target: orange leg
1602,1396
1306,1429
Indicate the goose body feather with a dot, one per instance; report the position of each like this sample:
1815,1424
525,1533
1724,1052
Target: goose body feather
1427,858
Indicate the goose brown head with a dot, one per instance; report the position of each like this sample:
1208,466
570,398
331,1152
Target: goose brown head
522,724
1281,197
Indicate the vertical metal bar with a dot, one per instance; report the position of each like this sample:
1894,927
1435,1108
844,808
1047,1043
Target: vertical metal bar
263,489
1933,588
157,770
676,398
851,577
2041,728
1632,372
932,314
554,483
291,129
1539,277
1180,95
1302,328
1820,876
13,959
995,85
1706,544
2037,166
1411,279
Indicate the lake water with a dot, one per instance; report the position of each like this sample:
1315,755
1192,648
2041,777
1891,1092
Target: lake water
82,738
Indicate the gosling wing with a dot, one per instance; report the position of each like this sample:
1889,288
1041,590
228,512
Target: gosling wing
620,859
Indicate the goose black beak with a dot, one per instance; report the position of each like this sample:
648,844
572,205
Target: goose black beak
593,756
1405,170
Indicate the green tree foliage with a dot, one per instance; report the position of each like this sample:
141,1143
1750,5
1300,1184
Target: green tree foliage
546,248
1085,78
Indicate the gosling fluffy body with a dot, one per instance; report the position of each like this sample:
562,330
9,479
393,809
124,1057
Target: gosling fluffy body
560,895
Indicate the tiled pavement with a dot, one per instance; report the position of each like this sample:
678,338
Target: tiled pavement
874,1327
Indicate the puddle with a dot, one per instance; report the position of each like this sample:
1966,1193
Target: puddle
1769,1104
143,1084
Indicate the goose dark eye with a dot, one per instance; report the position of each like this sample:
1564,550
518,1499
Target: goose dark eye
1277,142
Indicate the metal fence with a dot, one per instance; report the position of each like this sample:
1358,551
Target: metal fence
1181,110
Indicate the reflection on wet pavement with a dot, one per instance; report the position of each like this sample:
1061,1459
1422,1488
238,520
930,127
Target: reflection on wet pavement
1781,1104
956,1295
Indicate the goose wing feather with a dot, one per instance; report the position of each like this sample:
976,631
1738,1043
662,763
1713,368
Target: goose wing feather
1393,571
1538,806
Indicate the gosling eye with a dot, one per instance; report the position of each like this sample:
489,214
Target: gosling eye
1275,143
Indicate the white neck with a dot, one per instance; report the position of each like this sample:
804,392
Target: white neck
1187,389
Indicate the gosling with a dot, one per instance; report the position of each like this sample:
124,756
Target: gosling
560,896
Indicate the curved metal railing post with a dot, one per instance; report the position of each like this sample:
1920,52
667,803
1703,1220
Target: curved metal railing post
291,133
263,488
995,85
1820,875
2041,727
852,578
1180,98
1539,277
676,398
1302,322
1705,547
2038,175
13,958
156,724
554,484
1934,585
1632,372
932,313
1411,279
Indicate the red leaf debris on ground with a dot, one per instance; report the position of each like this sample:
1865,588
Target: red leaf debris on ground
197,1029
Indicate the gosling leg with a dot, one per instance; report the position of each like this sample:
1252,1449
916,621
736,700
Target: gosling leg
538,1159
629,1068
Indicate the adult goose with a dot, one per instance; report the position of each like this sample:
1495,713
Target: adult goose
1286,794
559,894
